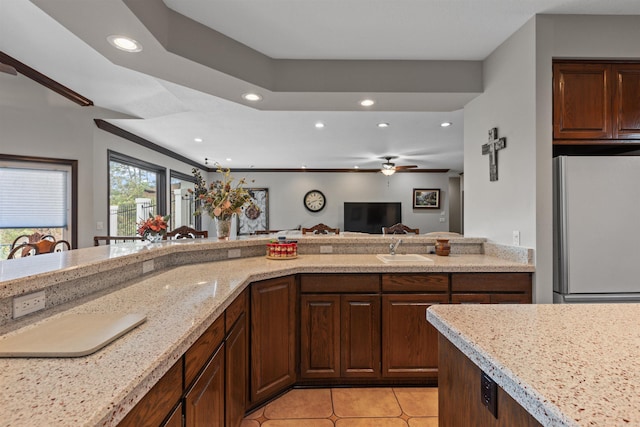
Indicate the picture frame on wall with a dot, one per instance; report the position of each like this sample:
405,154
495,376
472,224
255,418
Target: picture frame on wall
426,198
255,216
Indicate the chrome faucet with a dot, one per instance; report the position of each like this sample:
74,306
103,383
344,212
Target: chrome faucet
394,246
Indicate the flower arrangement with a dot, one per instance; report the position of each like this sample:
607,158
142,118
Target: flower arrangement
221,199
153,225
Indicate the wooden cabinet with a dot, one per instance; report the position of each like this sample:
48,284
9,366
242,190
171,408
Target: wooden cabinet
595,102
339,328
409,342
491,288
158,403
626,102
236,358
459,399
319,336
204,402
273,337
175,419
360,336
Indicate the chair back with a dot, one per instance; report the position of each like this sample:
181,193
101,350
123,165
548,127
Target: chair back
44,246
184,232
320,229
400,229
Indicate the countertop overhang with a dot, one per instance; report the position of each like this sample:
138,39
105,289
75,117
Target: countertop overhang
566,364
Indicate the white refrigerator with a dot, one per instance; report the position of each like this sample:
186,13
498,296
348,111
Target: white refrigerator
596,229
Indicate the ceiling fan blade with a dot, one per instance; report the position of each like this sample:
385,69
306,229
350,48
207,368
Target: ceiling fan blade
406,167
5,68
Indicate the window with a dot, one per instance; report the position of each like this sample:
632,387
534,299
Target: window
136,190
38,195
182,202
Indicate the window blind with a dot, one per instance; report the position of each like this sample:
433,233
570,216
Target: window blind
33,198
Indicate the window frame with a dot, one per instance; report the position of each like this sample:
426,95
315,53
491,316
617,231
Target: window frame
73,164
189,178
161,179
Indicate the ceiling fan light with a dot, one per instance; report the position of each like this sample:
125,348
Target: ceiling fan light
388,172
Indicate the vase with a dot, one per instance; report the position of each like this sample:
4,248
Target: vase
223,228
442,247
153,237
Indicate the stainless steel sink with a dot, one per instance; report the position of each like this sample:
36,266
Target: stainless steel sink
403,258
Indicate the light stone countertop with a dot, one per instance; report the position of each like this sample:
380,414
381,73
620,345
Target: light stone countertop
566,364
180,303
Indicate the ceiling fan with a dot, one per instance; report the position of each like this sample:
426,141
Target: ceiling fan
389,168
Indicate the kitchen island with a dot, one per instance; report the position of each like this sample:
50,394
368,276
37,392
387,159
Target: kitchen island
181,303
565,365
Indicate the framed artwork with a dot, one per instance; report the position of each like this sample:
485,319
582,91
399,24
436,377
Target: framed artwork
255,217
426,198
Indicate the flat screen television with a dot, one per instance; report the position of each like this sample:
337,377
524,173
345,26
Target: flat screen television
371,217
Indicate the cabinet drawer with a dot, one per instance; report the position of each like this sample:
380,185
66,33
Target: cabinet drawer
198,354
415,282
320,283
491,282
235,310
158,402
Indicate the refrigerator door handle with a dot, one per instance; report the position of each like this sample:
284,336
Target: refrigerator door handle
561,284
601,298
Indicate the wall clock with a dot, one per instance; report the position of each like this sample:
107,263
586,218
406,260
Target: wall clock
314,201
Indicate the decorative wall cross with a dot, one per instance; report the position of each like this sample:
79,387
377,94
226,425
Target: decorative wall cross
491,148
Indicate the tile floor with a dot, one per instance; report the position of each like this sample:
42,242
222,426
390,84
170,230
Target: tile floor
350,407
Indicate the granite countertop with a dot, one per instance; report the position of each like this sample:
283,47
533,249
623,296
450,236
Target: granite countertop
180,303
567,365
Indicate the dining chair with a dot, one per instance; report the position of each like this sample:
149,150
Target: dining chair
184,232
320,229
400,229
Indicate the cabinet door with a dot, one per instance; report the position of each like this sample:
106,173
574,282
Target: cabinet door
237,378
360,336
626,106
582,101
320,336
204,402
273,333
409,342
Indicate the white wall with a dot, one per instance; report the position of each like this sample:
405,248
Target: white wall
286,191
495,209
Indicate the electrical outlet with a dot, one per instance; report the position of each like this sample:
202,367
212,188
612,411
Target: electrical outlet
443,219
234,253
147,266
99,225
27,304
516,238
326,249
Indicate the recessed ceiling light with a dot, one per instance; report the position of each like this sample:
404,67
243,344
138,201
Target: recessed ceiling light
445,124
125,43
383,125
367,102
228,159
253,97
198,139
319,125
356,167
304,166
